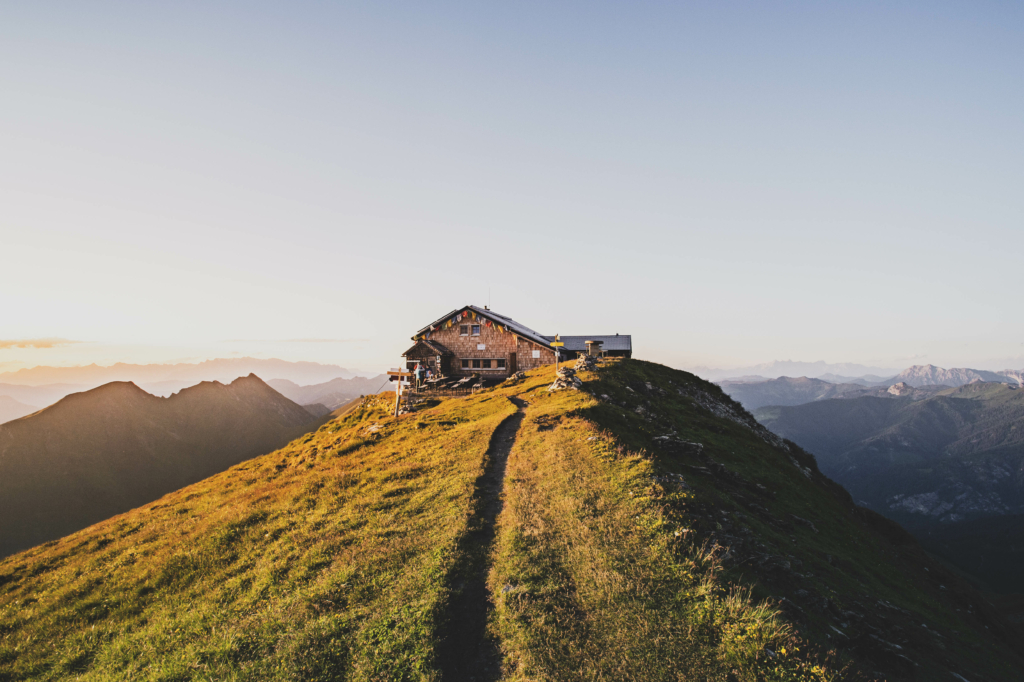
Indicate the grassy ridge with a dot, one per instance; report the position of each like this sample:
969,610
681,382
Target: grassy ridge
323,560
622,557
619,555
592,581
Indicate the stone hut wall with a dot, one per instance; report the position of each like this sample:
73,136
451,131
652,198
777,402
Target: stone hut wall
496,345
525,350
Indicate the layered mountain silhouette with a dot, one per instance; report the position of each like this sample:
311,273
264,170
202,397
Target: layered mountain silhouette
220,369
41,396
930,375
786,391
331,394
779,368
919,382
13,409
953,457
102,452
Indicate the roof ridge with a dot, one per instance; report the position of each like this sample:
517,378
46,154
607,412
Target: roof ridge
510,324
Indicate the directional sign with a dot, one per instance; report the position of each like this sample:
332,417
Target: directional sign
398,373
557,343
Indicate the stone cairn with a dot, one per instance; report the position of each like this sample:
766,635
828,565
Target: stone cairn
566,378
586,363
516,377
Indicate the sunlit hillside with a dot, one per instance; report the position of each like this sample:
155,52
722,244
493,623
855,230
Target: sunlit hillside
649,529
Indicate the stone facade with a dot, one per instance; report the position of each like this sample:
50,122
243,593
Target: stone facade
470,346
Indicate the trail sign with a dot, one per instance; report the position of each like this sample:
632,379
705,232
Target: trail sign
398,374
557,342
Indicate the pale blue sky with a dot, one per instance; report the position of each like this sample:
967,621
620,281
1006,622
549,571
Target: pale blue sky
729,182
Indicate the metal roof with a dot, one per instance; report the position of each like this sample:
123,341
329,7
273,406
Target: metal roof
608,342
512,325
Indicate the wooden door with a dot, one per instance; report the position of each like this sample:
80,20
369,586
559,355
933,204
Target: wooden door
511,363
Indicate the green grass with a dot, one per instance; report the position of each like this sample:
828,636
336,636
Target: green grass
332,558
323,560
594,581
852,559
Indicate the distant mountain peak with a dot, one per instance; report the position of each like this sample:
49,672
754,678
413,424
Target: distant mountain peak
103,451
931,375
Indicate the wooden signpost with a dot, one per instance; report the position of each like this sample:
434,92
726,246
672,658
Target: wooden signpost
398,394
557,342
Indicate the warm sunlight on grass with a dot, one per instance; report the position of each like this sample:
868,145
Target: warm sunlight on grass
592,582
324,559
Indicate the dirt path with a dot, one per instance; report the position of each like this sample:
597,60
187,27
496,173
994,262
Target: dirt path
466,651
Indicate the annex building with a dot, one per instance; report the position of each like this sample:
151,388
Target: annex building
478,341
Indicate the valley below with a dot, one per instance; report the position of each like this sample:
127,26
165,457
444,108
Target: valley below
946,462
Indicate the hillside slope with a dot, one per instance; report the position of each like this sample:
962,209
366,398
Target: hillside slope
647,528
102,452
953,456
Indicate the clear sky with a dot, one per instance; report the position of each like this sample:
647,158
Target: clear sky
731,183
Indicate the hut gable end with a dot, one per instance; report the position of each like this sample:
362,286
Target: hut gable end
479,341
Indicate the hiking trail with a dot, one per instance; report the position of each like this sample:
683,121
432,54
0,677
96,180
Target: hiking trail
467,651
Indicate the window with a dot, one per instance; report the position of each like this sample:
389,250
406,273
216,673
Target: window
464,330
476,330
484,363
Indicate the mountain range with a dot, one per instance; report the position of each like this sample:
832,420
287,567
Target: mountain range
791,368
786,391
221,369
930,375
331,394
849,373
921,456
31,389
754,392
102,452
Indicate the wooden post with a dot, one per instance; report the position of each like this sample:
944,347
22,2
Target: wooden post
557,343
398,394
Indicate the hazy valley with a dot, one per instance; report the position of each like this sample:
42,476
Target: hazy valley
937,459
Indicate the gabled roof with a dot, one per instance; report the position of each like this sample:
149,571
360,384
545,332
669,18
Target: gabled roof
613,342
513,326
434,347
